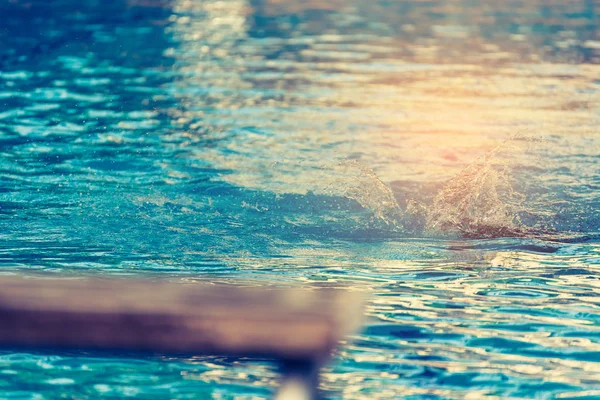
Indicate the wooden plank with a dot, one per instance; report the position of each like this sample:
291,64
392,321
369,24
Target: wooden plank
168,317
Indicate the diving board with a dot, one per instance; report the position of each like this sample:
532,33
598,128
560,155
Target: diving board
297,327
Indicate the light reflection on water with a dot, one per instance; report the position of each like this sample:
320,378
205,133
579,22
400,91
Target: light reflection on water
202,140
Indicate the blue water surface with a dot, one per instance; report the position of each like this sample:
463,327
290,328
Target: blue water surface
319,143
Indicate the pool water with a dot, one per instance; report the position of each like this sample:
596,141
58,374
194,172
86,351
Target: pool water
441,156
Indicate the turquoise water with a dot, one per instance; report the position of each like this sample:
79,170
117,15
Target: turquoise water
441,156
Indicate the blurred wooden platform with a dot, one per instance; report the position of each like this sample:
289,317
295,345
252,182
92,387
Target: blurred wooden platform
298,327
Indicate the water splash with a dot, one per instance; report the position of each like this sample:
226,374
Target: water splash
372,193
479,202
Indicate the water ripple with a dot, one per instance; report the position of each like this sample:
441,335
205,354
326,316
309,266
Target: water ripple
280,142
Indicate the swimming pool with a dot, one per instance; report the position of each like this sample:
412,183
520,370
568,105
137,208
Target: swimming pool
442,156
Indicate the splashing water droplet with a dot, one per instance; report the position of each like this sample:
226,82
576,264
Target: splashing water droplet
373,194
479,201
